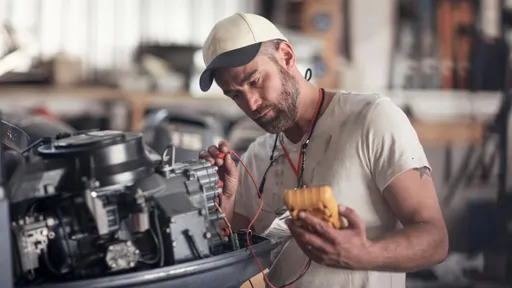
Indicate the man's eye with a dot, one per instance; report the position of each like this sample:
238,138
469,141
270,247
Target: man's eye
254,83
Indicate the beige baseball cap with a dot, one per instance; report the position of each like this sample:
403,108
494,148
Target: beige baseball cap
235,41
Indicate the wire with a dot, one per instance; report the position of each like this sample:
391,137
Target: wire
157,246
308,264
302,273
49,264
192,245
228,226
232,236
159,233
40,141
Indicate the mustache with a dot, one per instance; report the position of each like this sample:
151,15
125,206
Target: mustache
259,112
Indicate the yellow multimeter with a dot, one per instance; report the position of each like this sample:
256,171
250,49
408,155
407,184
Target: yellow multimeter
318,201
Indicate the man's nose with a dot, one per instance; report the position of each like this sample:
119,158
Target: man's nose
253,101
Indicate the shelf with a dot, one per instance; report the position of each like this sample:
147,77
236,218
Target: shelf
454,133
435,124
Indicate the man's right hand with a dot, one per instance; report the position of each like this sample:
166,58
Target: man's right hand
228,172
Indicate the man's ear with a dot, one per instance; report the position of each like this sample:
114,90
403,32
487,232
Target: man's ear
287,55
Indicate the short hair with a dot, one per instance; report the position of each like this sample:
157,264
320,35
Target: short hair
269,48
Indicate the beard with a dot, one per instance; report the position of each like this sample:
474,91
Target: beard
283,112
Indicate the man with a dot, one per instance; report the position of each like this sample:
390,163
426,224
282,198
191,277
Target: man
362,146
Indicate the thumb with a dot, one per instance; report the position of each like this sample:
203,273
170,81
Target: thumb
231,175
354,221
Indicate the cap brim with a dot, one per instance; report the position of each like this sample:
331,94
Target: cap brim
234,58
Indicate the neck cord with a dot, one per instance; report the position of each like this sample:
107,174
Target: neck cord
303,149
299,169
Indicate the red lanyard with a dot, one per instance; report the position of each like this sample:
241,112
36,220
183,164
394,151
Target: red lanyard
296,169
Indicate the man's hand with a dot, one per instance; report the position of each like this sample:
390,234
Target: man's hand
228,172
346,248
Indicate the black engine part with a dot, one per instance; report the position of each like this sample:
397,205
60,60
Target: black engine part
95,209
188,132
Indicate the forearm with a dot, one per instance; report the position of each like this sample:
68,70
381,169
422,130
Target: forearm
228,207
412,248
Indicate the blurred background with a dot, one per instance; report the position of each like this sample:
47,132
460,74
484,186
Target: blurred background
135,65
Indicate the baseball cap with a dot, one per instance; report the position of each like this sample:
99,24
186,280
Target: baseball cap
235,41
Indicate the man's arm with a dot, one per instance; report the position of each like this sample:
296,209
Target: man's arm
399,168
423,241
401,171
235,206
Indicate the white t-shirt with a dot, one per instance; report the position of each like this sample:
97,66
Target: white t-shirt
359,145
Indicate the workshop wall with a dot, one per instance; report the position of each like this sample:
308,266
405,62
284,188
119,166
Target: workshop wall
104,33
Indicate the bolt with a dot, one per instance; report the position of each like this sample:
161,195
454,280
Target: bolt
172,220
50,222
174,244
202,212
207,235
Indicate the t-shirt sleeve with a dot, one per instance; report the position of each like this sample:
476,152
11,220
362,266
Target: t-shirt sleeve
392,144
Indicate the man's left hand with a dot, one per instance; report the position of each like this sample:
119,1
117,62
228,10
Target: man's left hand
347,248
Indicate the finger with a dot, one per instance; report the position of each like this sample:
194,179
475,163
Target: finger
214,152
228,159
206,156
224,146
308,240
230,164
319,226
354,221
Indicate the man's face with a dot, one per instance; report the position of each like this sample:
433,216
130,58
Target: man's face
264,90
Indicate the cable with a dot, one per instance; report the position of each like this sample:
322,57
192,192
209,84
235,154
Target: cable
232,236
306,267
192,245
302,273
49,264
159,234
157,250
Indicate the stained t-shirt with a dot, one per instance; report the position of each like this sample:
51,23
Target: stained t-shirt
360,143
